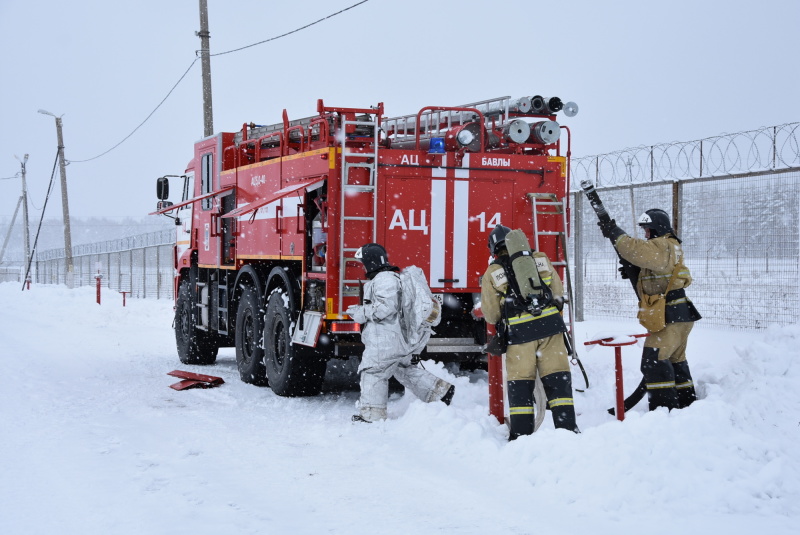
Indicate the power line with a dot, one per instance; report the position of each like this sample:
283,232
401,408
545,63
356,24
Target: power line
145,120
291,32
218,54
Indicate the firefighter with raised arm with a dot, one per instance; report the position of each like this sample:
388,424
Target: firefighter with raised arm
386,354
657,266
533,329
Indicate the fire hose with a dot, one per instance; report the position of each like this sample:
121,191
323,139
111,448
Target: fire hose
627,271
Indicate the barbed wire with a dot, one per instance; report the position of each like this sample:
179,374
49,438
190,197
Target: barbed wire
764,149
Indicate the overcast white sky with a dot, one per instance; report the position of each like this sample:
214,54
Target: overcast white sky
641,72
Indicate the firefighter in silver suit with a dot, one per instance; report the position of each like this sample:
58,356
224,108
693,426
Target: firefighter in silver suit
655,261
385,352
535,342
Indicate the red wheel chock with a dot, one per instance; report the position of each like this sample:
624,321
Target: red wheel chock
194,380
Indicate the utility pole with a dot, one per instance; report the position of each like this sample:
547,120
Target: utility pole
64,201
208,114
25,228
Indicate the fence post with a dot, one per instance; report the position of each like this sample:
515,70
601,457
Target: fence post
577,268
701,157
130,267
158,272
774,145
677,192
652,164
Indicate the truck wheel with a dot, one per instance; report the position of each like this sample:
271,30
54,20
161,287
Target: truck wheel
194,346
292,370
249,353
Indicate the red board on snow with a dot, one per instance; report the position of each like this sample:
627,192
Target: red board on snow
194,380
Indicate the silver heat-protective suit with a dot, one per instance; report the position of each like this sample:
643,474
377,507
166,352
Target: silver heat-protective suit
385,351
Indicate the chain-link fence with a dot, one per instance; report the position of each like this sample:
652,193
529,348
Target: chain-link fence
12,272
740,228
142,265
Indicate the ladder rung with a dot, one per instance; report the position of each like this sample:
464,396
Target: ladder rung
359,189
359,155
359,164
549,233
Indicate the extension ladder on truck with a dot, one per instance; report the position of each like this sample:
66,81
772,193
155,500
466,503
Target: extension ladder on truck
350,191
550,220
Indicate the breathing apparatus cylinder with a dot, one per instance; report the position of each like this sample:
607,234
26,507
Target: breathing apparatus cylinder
525,271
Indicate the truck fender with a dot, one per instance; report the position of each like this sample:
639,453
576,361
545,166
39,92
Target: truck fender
280,277
247,273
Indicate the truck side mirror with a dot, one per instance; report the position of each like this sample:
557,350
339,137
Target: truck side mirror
163,204
162,188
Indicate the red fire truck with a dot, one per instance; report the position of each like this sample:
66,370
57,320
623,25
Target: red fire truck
272,215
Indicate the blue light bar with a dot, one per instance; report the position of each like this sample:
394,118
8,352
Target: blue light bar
437,146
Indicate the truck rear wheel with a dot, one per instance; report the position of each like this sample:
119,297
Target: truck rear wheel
194,345
249,351
292,370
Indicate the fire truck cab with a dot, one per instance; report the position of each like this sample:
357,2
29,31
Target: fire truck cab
270,218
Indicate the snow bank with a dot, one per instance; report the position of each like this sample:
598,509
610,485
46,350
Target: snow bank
93,441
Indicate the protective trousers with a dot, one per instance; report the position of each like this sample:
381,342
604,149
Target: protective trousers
549,357
378,366
684,384
558,387
666,372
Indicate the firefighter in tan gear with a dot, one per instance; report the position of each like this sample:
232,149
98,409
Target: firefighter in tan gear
534,338
656,264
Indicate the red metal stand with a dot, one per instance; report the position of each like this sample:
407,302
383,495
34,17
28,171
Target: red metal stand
99,279
617,345
123,297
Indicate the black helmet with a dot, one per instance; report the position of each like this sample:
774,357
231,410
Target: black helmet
497,238
373,256
657,221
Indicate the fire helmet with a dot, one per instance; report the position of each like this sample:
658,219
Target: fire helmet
373,256
657,221
497,238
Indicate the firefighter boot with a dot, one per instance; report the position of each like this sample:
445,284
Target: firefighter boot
659,376
684,384
520,408
558,387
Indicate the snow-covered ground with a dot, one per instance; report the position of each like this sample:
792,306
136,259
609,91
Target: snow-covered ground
92,440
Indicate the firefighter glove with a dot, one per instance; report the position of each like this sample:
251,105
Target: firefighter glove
608,228
357,313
